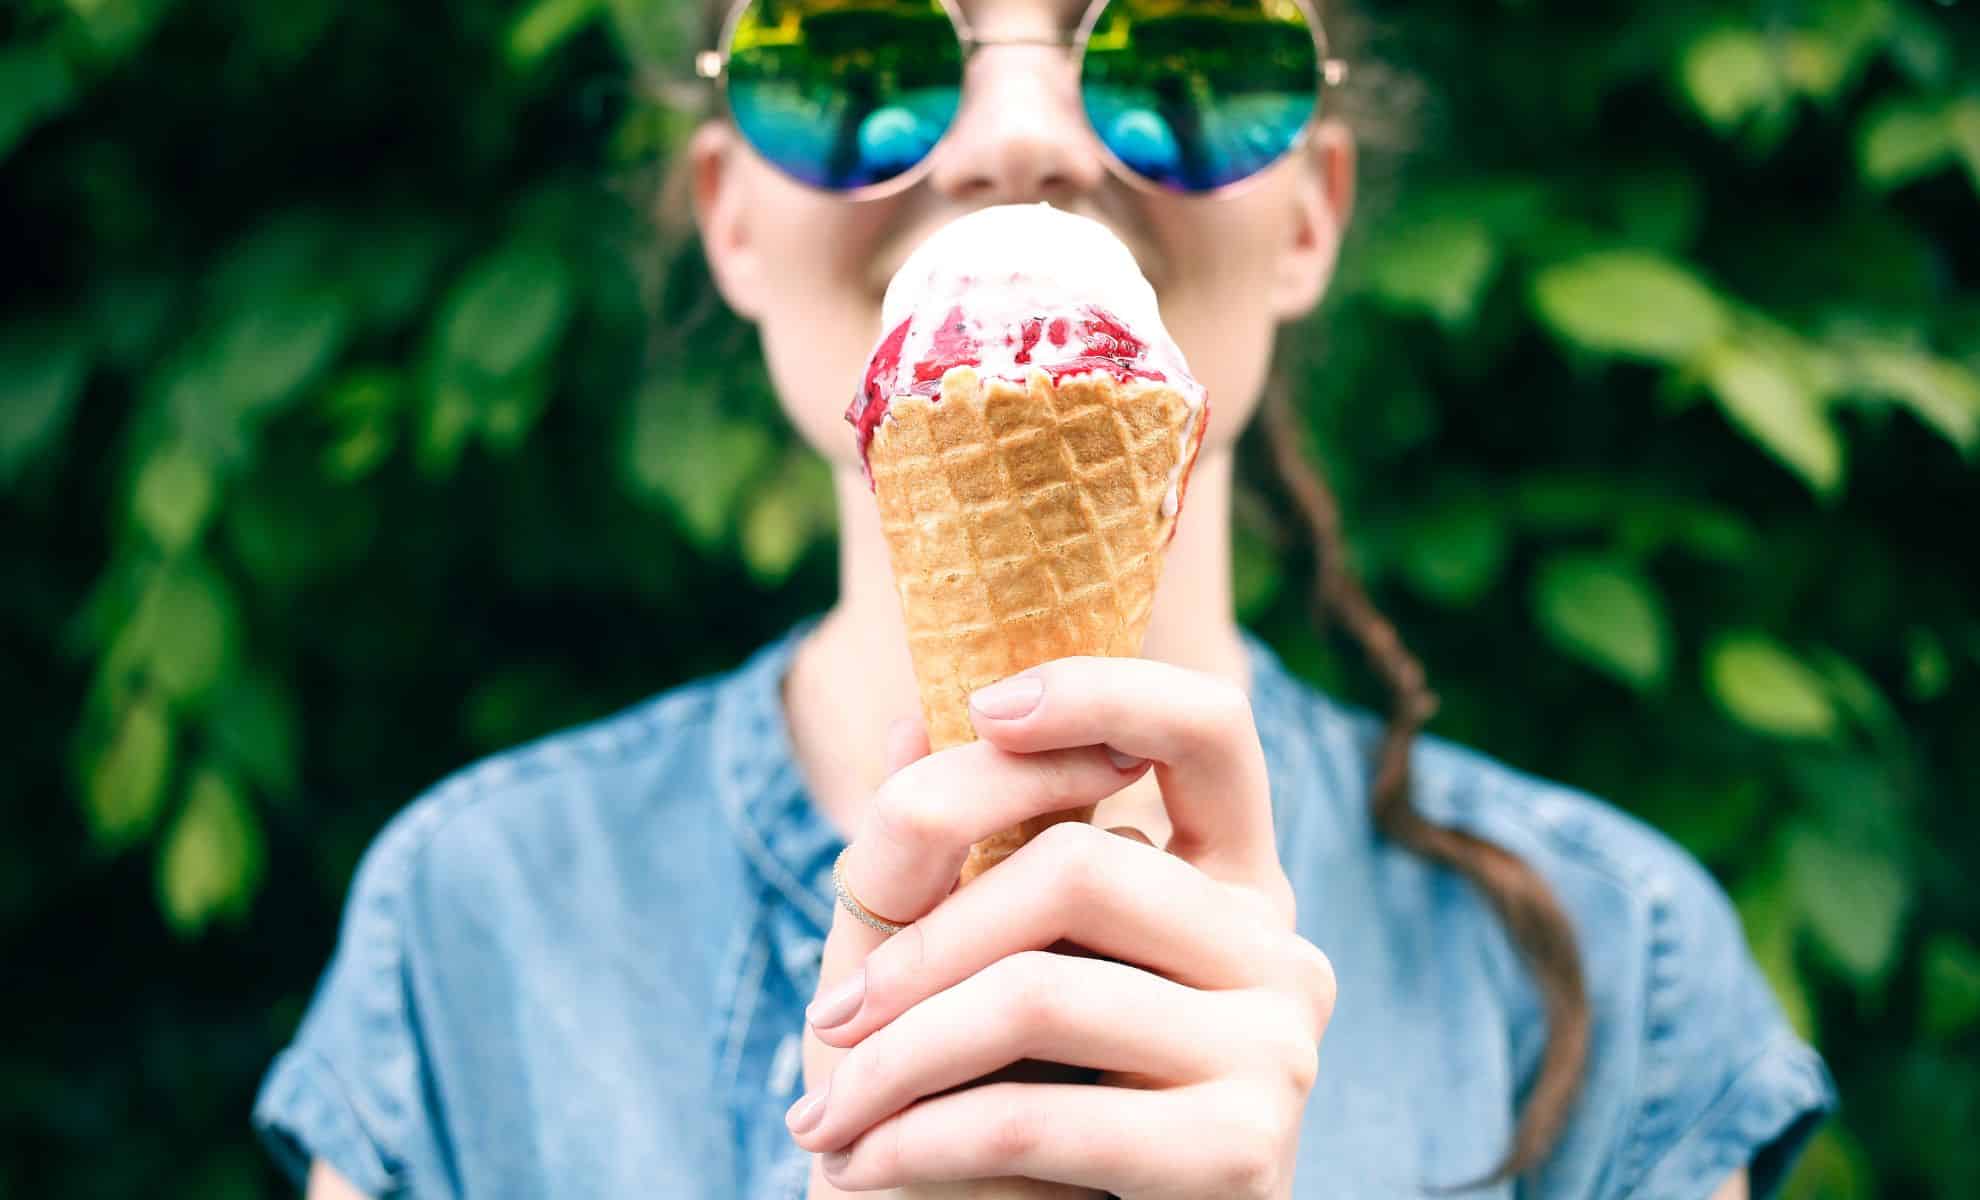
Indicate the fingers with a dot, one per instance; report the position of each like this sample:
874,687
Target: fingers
848,942
920,824
907,740
1197,728
1115,897
1079,1012
1201,1141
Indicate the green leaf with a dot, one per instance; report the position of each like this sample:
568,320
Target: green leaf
182,632
253,726
284,255
127,312
173,496
1930,664
363,404
547,24
1605,613
1965,122
1772,922
1853,901
125,782
1256,570
42,368
506,311
1658,209
1951,986
1765,688
1833,1167
509,410
1730,74
112,29
35,84
698,463
1629,303
785,517
211,861
1903,140
1454,553
1942,394
773,535
1814,65
1565,503
1439,266
388,270
1648,524
1777,405
267,352
1855,693
1714,819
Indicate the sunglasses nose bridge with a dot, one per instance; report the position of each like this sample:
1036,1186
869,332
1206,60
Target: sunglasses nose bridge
1021,133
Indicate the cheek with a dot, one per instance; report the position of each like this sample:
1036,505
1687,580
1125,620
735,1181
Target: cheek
1219,306
820,312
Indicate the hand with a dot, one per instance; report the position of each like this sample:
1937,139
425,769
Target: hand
1206,1025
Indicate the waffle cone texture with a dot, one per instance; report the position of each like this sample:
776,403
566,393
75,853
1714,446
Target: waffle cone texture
1025,523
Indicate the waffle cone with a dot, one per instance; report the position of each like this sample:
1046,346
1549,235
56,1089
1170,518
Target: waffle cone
1026,523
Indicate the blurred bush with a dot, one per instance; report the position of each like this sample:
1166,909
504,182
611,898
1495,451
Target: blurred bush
334,452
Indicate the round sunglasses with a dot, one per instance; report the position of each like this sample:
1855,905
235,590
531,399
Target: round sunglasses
1184,96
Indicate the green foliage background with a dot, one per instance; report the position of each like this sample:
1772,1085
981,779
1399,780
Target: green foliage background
336,449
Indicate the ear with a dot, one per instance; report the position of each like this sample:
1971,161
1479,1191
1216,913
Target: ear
1323,200
717,170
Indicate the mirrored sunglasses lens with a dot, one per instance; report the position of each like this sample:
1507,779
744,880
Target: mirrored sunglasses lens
1197,94
844,93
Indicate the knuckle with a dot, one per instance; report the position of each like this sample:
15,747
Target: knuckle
894,964
1315,973
1072,852
1229,708
1028,983
1014,1134
1251,1164
1282,1039
904,817
1066,841
1300,1052
1273,898
865,1068
1060,782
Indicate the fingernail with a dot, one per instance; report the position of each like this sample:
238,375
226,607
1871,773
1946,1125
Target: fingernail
839,1002
837,1160
1126,762
806,1113
1008,699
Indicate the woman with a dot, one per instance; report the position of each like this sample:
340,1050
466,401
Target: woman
612,963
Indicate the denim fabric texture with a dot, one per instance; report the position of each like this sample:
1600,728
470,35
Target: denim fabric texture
579,969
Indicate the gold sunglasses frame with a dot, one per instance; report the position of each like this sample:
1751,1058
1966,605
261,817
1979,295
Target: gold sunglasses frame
713,65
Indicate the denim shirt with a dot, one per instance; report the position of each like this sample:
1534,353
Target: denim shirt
579,969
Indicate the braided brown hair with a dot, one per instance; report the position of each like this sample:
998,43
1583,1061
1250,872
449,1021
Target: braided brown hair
1522,899
1524,903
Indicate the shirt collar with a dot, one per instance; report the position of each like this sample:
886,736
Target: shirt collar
780,831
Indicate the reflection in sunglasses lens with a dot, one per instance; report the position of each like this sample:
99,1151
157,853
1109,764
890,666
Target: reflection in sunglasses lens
1197,94
844,93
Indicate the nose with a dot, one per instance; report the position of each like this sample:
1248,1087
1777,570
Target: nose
1021,134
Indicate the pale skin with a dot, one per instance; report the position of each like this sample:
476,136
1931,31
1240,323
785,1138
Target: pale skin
1199,1004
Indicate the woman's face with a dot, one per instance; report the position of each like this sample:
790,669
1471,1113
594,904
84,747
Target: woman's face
810,269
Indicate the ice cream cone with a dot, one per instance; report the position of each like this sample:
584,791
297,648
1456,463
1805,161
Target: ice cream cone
1027,521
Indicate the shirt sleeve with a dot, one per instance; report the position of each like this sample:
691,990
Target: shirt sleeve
347,1090
1721,1081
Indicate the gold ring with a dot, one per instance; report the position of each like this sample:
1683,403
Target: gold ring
851,904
